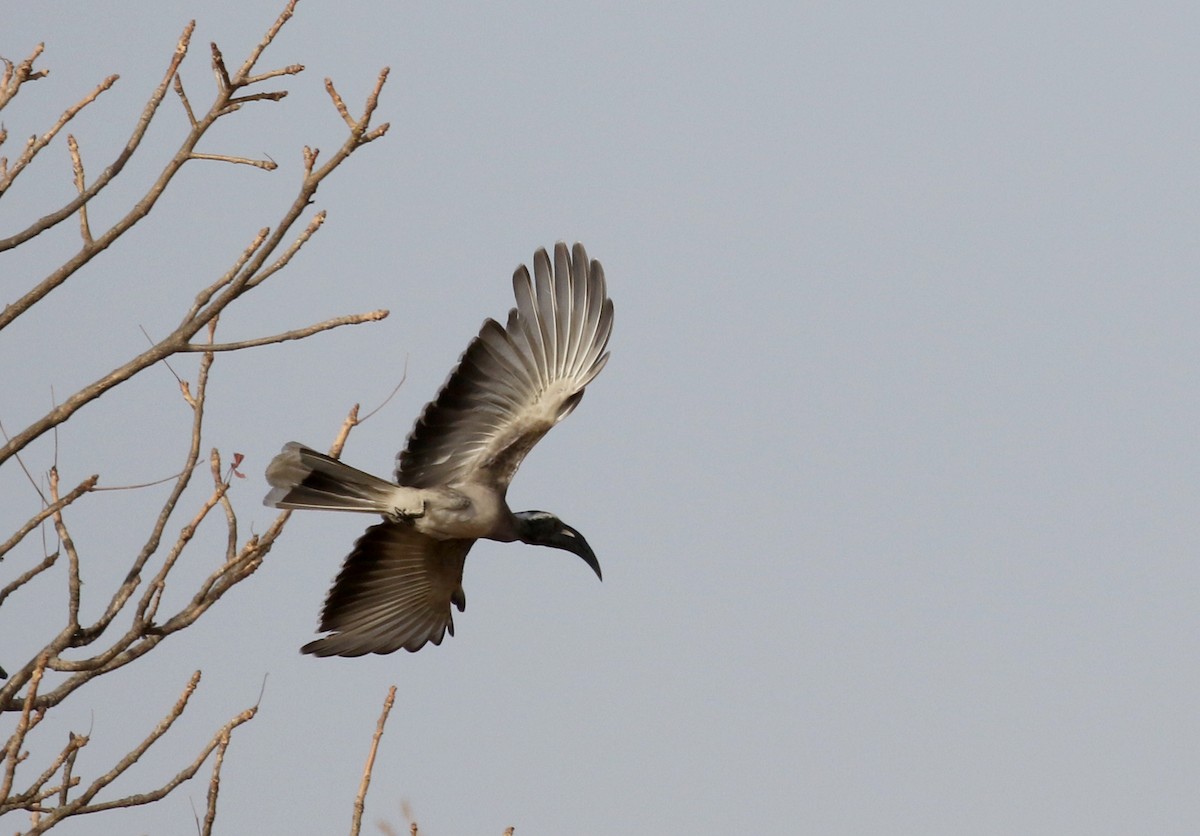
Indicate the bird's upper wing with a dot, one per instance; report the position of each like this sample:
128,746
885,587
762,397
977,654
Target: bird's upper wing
515,382
394,591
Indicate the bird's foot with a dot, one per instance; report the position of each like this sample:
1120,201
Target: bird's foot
407,514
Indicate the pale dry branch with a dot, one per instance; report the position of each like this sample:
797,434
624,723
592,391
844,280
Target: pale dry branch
206,295
26,576
222,74
37,519
273,96
267,165
12,751
135,139
131,757
56,792
315,224
17,74
68,545
82,803
37,143
338,103
350,423
223,294
243,76
187,105
291,69
133,578
221,487
85,230
148,605
361,798
392,394
297,334
214,786
65,760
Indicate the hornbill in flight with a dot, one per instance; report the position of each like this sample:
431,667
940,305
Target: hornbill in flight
513,383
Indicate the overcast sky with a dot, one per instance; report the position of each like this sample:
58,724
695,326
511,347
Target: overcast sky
892,472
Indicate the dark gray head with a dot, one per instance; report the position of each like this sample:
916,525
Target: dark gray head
540,528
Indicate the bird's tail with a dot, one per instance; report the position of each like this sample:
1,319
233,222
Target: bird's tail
300,477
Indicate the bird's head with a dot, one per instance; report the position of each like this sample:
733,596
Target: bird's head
540,528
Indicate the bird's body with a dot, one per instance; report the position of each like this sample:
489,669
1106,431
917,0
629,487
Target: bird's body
512,384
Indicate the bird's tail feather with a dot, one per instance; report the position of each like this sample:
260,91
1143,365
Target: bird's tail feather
300,477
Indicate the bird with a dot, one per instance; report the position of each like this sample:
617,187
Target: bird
512,384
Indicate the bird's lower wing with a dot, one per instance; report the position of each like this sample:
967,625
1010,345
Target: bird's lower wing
394,591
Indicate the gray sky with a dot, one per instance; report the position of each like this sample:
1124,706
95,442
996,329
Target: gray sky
892,472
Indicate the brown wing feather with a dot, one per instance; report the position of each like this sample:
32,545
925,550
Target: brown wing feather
394,591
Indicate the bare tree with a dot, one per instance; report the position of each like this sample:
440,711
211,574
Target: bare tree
133,621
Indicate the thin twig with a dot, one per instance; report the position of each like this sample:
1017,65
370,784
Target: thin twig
135,139
360,799
17,74
298,334
12,752
36,144
187,106
268,165
77,164
338,103
265,273
403,377
290,69
350,423
222,74
68,545
26,576
214,786
79,490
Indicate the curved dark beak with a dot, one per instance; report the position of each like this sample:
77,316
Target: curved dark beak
571,540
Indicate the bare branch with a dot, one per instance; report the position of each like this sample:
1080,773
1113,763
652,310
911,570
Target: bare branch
68,545
269,165
56,792
12,752
44,223
37,789
204,296
221,486
281,262
79,490
28,575
214,785
273,96
184,774
338,103
298,334
350,423
17,74
222,74
187,106
77,164
237,285
291,69
360,799
36,144
392,394
243,77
